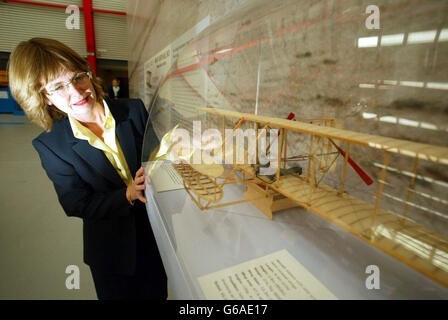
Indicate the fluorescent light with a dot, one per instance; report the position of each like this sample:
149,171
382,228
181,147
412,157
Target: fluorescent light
392,39
389,119
416,206
417,84
390,82
407,122
443,35
410,174
422,36
366,85
437,85
367,42
430,197
426,125
412,84
401,121
442,255
367,115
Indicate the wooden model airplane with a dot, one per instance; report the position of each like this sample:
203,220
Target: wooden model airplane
409,242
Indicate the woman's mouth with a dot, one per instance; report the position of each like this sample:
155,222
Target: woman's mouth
82,102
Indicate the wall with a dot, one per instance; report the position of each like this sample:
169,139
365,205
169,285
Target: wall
21,22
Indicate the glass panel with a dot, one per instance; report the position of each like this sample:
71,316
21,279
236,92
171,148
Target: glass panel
321,61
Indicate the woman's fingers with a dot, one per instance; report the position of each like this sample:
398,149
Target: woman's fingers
140,172
142,199
141,196
139,180
140,187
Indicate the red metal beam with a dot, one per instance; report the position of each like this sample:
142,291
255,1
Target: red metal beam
37,3
90,33
63,7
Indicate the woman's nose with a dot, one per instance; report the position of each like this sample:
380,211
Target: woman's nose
71,88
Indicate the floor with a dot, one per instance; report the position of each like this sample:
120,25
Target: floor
37,240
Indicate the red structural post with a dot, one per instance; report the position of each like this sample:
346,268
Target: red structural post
44,4
90,33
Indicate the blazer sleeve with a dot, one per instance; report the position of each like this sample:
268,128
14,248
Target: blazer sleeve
77,198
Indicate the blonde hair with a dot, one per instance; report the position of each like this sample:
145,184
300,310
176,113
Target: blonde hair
32,65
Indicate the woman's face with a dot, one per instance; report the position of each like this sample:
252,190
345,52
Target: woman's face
72,93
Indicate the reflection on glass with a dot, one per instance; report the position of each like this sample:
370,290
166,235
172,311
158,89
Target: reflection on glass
387,87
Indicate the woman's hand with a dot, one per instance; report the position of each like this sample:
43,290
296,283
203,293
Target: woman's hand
135,190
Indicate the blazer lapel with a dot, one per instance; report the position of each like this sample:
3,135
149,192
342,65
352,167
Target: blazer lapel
93,156
124,132
97,160
126,138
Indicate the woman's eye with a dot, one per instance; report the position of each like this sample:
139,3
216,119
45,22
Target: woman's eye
80,78
58,88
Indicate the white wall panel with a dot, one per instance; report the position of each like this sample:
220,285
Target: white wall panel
111,34
20,22
113,5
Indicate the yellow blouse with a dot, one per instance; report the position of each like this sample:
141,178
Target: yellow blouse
111,146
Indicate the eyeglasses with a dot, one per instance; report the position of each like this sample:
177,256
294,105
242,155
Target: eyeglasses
80,79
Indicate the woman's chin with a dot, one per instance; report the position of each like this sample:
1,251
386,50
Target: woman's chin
82,110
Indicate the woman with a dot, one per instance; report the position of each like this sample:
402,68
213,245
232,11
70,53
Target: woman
91,151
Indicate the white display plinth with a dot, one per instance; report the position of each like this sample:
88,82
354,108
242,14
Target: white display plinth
194,243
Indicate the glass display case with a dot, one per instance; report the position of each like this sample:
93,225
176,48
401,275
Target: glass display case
354,116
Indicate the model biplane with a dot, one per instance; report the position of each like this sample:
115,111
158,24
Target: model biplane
303,186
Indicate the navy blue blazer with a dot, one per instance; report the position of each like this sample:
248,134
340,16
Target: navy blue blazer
88,186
